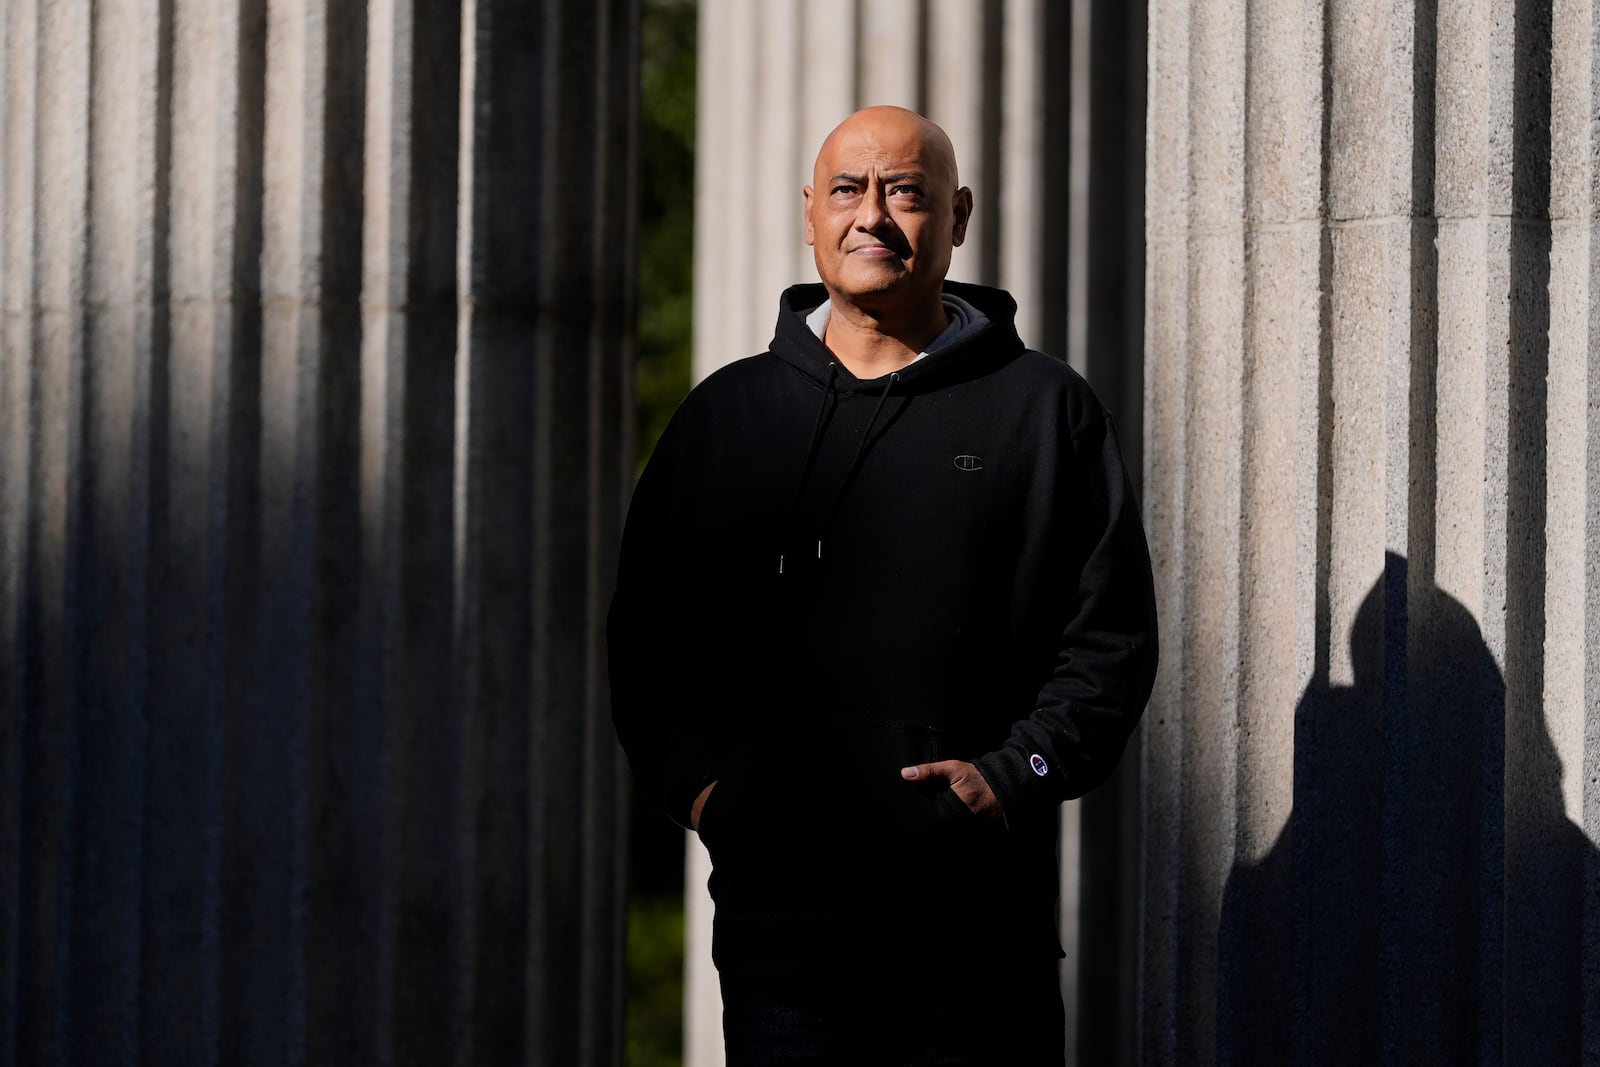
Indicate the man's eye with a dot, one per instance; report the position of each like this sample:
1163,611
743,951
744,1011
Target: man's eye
907,190
844,190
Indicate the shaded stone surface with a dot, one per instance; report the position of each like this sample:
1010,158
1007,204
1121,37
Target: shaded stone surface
1369,871
315,386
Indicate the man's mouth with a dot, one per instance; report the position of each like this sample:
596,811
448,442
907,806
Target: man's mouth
873,251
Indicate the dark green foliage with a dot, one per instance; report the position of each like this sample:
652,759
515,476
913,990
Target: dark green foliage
655,981
666,302
666,213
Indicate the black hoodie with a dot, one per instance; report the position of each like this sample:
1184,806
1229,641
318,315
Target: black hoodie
824,579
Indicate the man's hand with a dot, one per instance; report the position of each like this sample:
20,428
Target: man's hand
965,782
699,806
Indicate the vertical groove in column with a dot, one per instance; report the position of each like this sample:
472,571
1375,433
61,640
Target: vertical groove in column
340,805
958,99
1422,529
740,324
181,877
1282,166
729,318
1361,204
1589,768
779,167
747,312
1543,878
556,456
1076,70
1570,549
472,266
1470,156
825,82
889,55
508,52
386,236
1211,551
610,470
716,56
1167,185
1569,690
126,46
1566,552
1108,93
719,77
18,121
1497,301
1256,942
267,732
1366,201
413,145
1113,340
1022,190
575,773
55,724
255,1022
1461,202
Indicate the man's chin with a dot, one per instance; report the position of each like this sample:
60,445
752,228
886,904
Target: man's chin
866,285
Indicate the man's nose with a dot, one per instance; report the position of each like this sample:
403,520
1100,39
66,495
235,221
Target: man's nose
871,215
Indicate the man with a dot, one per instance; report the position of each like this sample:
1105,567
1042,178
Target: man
884,602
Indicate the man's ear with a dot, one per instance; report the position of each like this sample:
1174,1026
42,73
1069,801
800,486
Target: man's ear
962,209
811,232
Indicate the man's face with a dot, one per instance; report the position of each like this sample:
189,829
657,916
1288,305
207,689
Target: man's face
883,212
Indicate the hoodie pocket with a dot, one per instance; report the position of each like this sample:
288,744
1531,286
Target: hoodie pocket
876,752
884,806
750,814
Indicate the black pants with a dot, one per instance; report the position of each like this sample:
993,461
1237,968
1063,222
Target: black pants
917,1012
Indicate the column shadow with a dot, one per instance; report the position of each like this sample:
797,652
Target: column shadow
1377,929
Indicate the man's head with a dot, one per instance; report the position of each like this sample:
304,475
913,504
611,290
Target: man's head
884,210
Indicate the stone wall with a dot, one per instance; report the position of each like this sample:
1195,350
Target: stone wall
1371,456
314,396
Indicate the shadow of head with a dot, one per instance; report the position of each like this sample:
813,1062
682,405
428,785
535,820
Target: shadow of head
1385,925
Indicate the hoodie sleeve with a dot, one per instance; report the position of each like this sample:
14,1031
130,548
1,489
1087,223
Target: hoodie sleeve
1105,659
656,700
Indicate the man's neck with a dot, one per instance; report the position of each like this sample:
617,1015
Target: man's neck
871,346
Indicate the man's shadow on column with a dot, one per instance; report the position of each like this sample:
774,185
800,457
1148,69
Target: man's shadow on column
1403,916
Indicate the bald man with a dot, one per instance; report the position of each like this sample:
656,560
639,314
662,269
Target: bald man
883,603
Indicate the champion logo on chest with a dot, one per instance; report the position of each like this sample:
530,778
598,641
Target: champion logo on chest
969,462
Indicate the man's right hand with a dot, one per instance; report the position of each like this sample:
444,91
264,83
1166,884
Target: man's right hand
699,806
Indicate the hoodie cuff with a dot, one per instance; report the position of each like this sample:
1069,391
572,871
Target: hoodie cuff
1028,785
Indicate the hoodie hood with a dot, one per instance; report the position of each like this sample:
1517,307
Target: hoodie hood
971,353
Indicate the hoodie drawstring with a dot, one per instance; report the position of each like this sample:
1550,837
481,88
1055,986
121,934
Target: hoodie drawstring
811,451
855,462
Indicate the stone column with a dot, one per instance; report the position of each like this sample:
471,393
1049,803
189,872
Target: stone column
313,407
1043,103
1371,457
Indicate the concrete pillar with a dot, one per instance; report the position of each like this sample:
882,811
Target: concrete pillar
313,407
1043,103
1371,453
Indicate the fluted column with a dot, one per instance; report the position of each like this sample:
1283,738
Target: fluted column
1042,102
313,408
1370,478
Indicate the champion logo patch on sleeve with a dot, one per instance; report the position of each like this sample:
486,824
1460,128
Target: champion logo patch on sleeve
1040,767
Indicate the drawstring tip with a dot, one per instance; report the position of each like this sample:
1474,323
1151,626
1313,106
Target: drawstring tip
819,549
780,563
